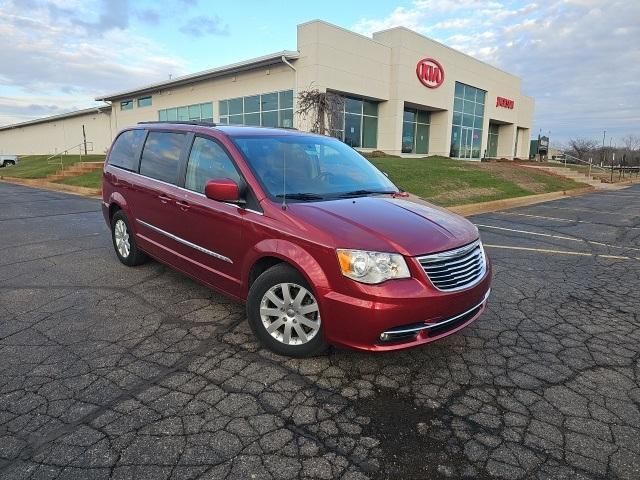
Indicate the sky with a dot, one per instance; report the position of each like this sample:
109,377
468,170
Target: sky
579,59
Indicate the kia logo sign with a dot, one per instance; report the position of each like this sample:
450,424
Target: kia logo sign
430,73
504,102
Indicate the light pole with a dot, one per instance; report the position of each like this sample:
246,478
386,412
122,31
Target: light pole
603,136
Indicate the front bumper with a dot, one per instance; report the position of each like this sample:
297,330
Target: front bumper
402,314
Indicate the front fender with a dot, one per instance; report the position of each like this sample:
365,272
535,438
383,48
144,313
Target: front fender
293,254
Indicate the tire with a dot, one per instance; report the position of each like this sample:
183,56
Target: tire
123,241
267,306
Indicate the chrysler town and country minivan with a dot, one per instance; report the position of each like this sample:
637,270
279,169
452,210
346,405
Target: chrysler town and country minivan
322,246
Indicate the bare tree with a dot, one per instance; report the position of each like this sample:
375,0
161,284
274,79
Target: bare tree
631,142
582,147
323,110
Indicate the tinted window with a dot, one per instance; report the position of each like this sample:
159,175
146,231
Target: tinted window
124,152
161,155
208,160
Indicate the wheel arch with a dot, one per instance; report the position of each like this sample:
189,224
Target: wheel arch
272,252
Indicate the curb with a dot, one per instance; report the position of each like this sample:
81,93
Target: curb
495,205
57,187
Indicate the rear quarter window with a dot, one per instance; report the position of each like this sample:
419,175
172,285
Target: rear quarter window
161,155
126,149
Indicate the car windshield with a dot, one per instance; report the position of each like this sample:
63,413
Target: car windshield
308,168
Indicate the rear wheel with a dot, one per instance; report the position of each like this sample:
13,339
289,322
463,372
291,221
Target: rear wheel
284,313
123,241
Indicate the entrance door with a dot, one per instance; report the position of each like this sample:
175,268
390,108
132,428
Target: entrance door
422,138
466,142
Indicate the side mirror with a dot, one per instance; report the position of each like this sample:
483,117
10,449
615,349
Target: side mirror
222,190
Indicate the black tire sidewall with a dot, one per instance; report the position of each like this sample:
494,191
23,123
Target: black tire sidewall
281,273
135,257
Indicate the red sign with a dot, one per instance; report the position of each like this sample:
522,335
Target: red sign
430,73
504,102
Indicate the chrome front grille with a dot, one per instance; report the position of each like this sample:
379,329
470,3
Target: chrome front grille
455,269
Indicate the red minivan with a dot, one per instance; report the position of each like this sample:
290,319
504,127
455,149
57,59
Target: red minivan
321,245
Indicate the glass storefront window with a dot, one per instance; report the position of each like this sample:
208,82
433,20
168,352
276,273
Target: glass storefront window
194,112
269,101
236,106
252,119
274,109
358,124
252,104
352,129
415,131
353,105
467,121
286,99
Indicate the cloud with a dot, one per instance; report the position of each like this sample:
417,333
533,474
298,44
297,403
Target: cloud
202,25
579,59
72,61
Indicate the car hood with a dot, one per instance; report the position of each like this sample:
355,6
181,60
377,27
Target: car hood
386,224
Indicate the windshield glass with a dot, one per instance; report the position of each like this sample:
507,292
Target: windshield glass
311,168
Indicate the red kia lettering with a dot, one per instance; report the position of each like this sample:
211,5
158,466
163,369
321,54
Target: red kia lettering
430,73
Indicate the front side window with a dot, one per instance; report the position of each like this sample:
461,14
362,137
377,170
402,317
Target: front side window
208,160
161,155
314,168
125,150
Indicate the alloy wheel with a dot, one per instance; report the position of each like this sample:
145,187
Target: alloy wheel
290,314
122,238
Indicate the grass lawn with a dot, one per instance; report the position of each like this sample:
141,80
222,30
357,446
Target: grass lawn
455,182
90,180
36,166
440,180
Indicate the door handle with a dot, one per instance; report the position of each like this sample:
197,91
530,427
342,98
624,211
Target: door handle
184,206
164,198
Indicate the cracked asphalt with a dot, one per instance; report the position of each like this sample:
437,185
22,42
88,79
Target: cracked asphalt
107,371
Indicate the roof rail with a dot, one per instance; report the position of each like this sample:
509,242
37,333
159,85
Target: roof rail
180,122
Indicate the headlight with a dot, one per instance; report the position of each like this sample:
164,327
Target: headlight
372,267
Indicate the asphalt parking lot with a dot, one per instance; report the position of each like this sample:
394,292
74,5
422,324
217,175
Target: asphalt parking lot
107,371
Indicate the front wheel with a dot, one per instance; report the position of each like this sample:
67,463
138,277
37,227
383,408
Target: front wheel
284,313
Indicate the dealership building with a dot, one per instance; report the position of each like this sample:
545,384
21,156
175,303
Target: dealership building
403,94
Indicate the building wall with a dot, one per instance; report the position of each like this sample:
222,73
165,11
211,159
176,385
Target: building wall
384,68
263,80
58,135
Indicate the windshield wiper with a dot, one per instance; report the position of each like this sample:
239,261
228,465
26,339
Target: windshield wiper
301,196
356,193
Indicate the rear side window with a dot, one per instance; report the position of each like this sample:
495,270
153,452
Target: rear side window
125,150
161,155
208,160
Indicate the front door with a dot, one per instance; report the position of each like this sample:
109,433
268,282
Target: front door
212,229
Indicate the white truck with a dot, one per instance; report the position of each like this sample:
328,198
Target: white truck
8,160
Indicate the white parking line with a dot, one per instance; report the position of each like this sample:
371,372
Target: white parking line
561,252
561,237
565,220
588,210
